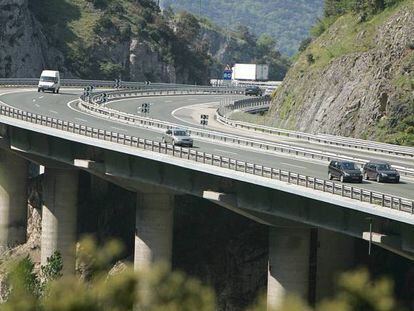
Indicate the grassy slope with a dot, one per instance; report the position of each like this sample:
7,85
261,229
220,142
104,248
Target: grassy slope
341,38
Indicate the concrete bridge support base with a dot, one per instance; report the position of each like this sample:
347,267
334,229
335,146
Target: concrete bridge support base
59,216
335,254
13,200
288,270
153,229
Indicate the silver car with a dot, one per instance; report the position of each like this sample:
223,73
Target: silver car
178,137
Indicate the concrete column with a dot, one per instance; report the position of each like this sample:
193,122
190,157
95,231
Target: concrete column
153,229
335,254
13,200
59,216
288,270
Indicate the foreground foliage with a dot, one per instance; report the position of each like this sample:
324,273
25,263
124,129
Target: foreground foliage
157,289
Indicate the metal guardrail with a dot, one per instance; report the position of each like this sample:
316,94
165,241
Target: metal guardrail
94,106
21,82
224,112
372,197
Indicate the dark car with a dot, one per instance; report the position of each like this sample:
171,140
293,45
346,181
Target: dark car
344,171
253,90
381,171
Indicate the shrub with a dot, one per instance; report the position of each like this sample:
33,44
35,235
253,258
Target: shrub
310,58
304,44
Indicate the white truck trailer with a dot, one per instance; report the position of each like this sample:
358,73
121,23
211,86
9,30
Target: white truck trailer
251,72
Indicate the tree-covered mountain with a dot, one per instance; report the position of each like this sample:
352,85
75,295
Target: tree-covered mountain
127,39
287,21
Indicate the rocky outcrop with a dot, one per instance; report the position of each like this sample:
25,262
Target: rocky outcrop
24,50
146,64
354,93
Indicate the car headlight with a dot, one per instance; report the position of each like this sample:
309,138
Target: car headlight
384,175
346,174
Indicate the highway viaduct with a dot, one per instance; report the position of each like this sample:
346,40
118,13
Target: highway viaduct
290,211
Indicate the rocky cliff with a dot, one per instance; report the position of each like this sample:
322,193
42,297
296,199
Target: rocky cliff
92,39
356,79
24,49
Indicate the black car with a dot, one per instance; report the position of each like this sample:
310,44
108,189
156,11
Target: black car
344,171
253,90
381,171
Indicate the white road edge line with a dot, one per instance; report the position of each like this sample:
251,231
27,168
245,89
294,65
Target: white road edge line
186,107
288,164
220,150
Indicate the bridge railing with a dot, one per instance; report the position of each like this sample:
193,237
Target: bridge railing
225,111
21,82
326,186
94,106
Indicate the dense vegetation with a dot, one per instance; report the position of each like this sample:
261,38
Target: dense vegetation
94,36
98,287
287,22
365,9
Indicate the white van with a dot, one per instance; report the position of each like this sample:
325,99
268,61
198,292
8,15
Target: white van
49,81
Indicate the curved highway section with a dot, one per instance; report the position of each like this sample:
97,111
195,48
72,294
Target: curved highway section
185,110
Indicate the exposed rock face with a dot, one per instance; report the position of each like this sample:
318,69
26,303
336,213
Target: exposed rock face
24,51
354,92
146,63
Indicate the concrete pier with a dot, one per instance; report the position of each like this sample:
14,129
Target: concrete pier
59,216
153,229
13,200
288,271
335,254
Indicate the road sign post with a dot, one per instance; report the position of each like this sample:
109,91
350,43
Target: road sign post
145,108
204,120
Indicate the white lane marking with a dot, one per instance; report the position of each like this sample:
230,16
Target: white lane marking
37,105
83,120
41,97
168,101
188,107
34,100
288,164
53,111
219,150
118,129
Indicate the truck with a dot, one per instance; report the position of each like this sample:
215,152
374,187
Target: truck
251,72
50,81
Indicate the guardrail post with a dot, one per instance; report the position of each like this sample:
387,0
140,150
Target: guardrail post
324,186
289,177
370,197
352,192
382,200
342,190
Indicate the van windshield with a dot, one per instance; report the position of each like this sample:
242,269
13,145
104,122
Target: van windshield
349,166
47,79
180,133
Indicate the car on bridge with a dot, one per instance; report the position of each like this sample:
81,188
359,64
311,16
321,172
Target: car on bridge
253,90
178,137
381,171
344,171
